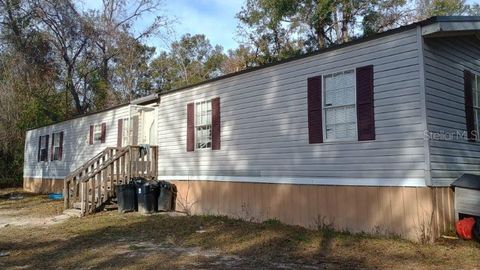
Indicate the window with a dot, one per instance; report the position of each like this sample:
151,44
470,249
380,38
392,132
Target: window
97,132
476,101
339,108
43,148
57,146
203,124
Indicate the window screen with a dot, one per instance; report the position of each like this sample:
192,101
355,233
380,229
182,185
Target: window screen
339,106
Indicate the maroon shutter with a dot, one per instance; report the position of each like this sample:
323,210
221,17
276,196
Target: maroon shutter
51,147
216,123
469,113
60,152
120,132
190,127
104,133
365,107
315,129
39,149
90,140
46,147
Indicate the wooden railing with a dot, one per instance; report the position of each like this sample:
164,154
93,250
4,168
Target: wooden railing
94,183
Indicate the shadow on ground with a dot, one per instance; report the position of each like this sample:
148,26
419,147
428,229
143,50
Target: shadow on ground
112,240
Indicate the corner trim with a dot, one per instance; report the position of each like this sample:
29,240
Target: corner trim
423,107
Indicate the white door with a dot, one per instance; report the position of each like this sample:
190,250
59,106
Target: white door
147,126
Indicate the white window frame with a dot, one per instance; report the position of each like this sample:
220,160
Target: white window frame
43,146
56,138
476,100
197,125
97,132
325,108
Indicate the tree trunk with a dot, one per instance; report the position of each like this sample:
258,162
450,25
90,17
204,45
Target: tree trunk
70,87
104,71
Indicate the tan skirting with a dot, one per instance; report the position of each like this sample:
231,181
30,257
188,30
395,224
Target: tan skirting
416,213
42,185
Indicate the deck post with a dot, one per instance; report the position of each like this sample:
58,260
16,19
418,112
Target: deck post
66,195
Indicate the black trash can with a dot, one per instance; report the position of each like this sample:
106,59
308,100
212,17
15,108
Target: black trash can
126,198
137,183
174,197
166,197
147,199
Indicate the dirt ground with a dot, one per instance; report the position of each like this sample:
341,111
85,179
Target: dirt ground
110,240
18,208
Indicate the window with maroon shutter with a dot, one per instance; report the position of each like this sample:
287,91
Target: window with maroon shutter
365,106
190,127
57,146
43,148
314,96
472,106
203,124
98,133
216,123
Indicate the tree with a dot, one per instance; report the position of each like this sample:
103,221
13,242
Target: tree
68,33
429,8
132,76
262,27
238,59
116,41
385,15
27,89
190,60
284,28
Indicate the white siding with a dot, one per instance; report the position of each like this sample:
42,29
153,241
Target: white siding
264,127
445,60
76,147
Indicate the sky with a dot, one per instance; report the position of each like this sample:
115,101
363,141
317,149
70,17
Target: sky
214,18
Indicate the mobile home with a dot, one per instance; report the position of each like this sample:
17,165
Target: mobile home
365,136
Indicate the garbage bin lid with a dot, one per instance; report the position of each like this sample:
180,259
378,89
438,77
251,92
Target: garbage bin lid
467,180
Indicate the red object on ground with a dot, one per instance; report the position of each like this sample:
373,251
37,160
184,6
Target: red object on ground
464,228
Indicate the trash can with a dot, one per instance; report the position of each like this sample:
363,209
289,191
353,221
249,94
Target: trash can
167,196
137,183
147,199
126,198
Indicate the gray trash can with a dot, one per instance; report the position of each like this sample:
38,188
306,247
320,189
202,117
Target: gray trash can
166,196
147,199
126,198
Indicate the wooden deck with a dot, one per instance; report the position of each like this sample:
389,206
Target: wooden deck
94,183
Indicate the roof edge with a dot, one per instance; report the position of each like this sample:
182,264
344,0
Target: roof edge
81,115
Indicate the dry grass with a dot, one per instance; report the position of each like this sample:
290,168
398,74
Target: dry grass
133,241
32,205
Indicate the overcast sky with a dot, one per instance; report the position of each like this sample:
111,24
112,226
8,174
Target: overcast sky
214,18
